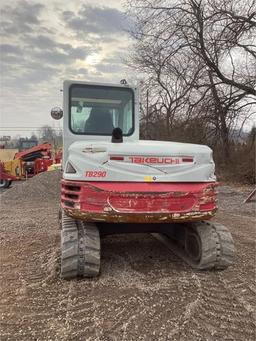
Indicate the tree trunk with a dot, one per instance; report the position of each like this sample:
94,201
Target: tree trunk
221,112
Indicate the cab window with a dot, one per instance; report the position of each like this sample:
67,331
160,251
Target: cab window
97,110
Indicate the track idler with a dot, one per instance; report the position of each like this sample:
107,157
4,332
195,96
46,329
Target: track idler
202,245
80,248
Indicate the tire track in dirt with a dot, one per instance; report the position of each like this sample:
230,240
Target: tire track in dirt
247,301
241,281
220,311
139,303
216,316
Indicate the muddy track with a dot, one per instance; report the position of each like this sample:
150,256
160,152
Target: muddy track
144,292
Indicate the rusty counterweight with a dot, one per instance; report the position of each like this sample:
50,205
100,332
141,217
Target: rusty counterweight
140,202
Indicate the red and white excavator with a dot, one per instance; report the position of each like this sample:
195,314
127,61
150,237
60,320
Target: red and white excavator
113,182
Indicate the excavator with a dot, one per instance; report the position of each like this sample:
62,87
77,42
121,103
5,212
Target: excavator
113,182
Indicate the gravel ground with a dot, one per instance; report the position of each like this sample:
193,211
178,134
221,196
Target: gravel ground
144,291
44,186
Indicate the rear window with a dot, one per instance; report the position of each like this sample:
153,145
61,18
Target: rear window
97,110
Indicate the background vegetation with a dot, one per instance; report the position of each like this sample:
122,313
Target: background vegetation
198,62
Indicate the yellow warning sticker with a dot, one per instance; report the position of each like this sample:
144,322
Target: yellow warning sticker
148,178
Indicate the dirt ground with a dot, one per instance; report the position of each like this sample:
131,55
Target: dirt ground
144,291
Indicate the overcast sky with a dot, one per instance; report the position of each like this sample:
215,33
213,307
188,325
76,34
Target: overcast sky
44,42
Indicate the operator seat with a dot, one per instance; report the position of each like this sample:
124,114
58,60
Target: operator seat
99,122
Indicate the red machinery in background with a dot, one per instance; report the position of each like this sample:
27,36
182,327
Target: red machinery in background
36,159
28,163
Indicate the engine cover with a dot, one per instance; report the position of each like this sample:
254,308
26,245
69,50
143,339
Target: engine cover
139,161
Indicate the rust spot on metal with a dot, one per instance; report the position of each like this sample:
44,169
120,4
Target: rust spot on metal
180,194
116,217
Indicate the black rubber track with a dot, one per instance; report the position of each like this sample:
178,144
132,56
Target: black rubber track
80,249
217,246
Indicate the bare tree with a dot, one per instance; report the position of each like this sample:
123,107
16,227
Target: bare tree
199,58
50,135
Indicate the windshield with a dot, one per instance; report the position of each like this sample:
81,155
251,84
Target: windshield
97,110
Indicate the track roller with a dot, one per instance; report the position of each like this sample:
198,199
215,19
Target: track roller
80,248
203,245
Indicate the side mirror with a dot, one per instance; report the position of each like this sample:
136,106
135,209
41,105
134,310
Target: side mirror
57,113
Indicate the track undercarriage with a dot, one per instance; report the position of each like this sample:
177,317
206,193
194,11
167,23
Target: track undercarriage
80,249
203,245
